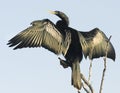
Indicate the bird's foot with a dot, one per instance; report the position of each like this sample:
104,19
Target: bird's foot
63,63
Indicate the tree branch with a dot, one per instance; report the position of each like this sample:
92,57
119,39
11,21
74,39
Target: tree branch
90,71
85,88
87,83
104,70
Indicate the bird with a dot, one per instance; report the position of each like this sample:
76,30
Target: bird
60,38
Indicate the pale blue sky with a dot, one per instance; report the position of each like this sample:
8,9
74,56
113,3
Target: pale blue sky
37,70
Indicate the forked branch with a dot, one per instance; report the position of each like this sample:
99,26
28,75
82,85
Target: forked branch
87,83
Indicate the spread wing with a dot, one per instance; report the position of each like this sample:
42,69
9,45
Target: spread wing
42,33
94,44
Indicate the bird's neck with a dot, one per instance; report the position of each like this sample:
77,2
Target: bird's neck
61,25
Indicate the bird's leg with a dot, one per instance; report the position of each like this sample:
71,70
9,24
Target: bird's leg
64,63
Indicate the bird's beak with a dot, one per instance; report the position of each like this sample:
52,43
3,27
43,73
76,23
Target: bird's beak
52,12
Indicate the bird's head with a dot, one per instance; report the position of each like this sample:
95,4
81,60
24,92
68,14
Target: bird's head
61,15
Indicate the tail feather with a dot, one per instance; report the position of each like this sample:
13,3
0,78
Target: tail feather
76,77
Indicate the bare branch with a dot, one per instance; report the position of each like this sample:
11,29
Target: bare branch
85,88
90,67
104,70
87,83
90,71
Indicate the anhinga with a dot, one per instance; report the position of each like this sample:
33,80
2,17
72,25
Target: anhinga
59,38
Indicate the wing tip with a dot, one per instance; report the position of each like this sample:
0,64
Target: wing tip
114,57
10,44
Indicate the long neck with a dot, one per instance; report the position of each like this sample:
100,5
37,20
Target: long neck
64,17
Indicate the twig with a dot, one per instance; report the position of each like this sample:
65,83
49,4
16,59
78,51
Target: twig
103,75
90,71
85,88
104,70
90,67
87,83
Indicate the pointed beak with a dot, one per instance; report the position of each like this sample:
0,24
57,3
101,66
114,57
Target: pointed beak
52,12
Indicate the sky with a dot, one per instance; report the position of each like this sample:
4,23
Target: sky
37,70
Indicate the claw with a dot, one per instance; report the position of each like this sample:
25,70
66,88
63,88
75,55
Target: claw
63,63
